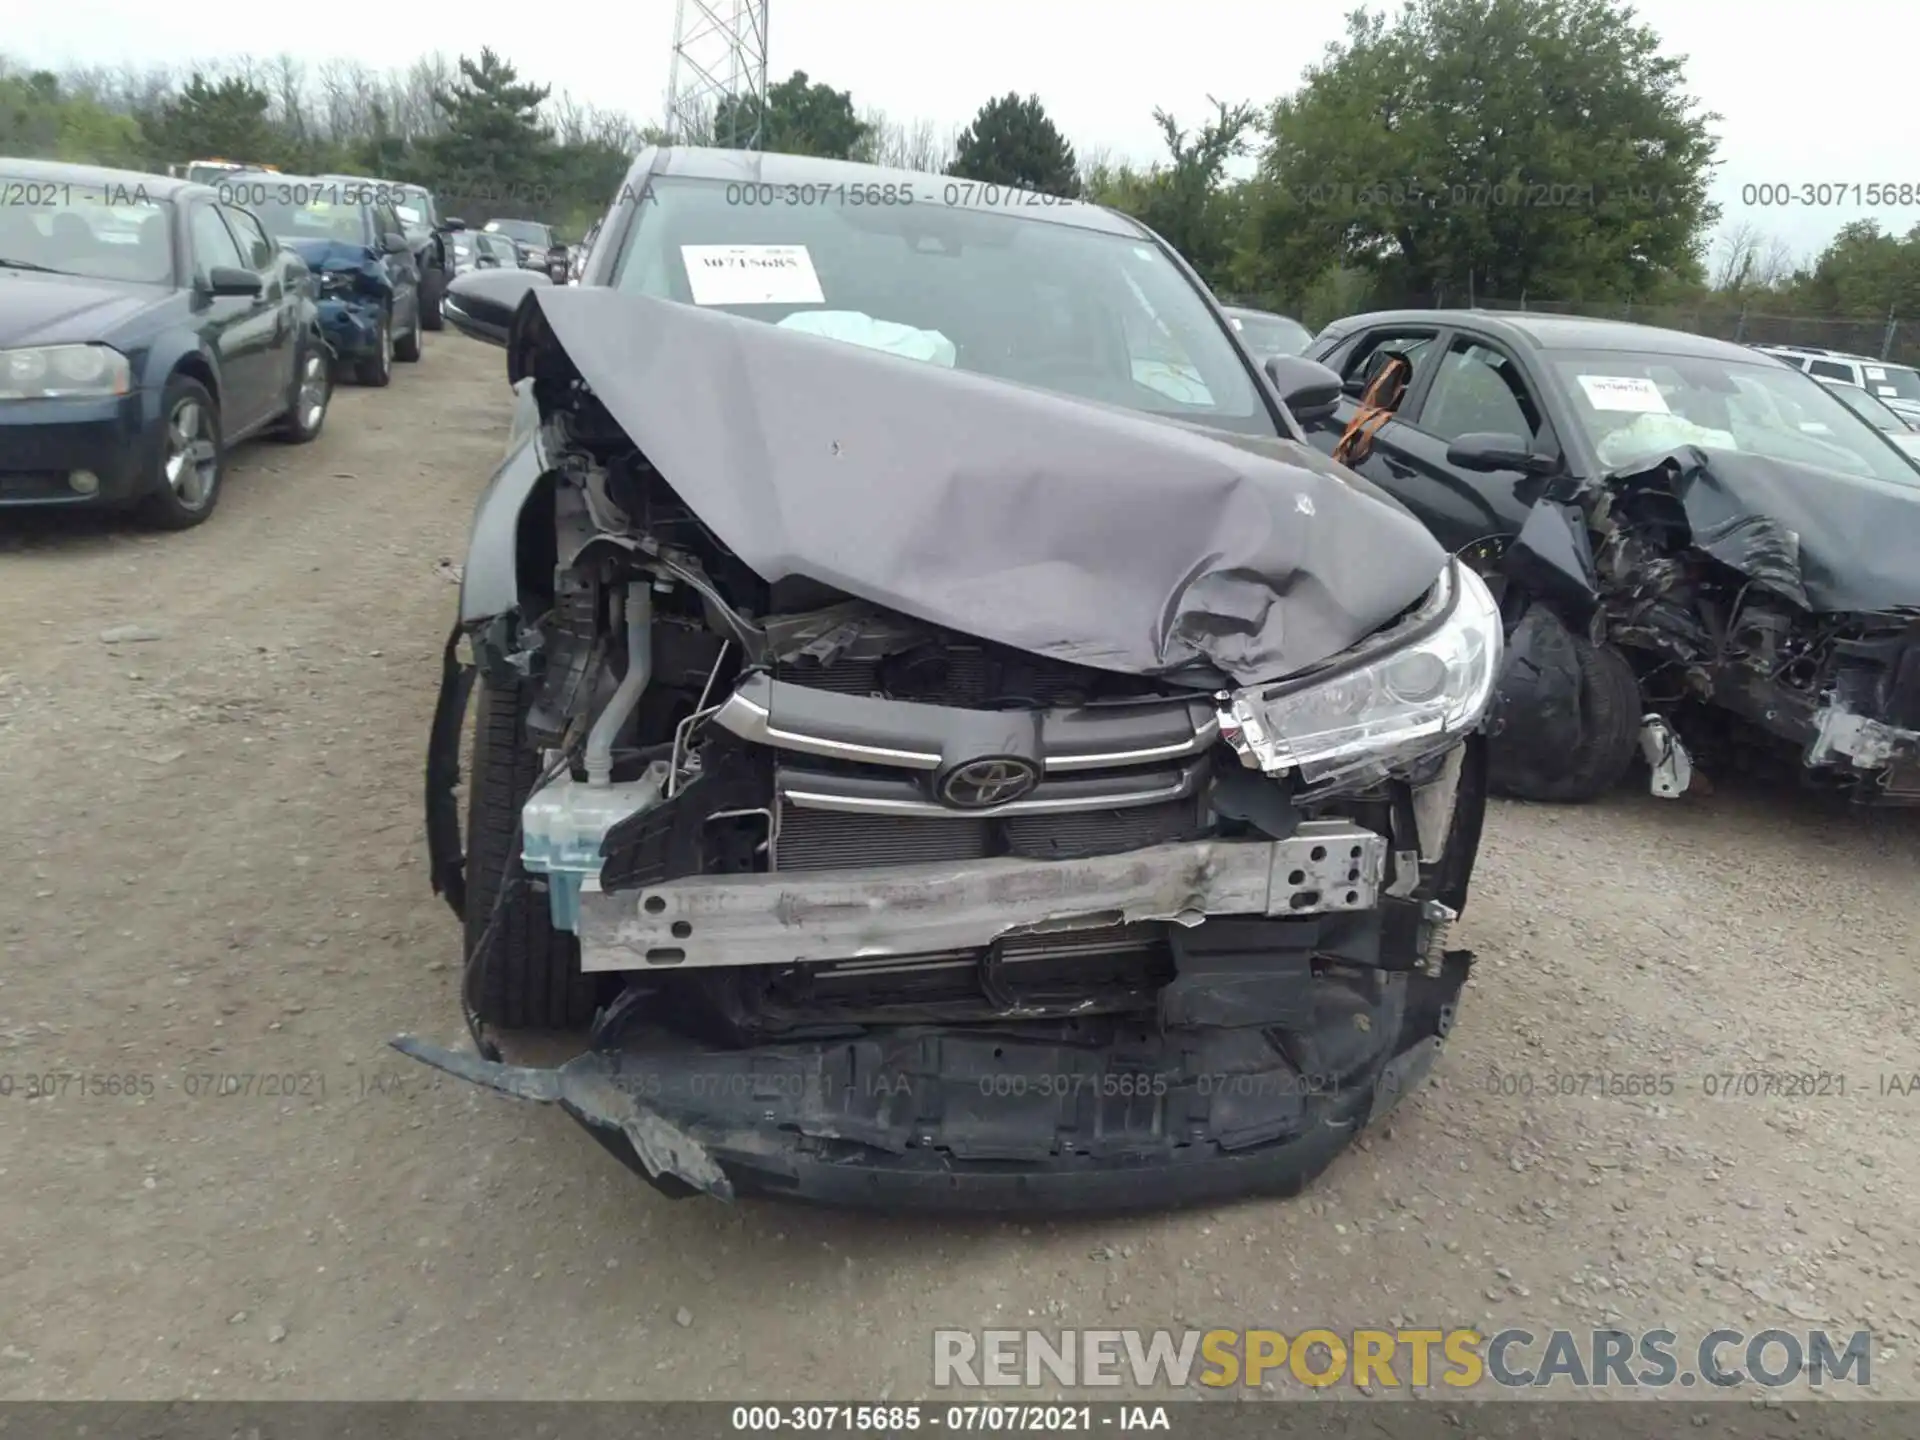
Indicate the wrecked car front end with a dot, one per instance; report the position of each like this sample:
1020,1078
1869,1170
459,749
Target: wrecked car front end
352,292
965,796
1772,613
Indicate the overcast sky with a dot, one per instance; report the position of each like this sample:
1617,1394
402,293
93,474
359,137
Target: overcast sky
1809,93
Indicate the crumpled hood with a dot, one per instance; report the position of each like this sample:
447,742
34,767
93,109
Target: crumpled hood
331,255
1059,527
1854,542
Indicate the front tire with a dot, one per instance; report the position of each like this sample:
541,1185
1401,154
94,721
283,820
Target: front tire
192,457
530,976
1609,723
376,370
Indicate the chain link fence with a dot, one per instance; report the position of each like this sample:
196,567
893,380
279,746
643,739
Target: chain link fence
1887,339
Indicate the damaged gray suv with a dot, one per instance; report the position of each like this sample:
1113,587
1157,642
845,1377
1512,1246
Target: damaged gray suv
936,723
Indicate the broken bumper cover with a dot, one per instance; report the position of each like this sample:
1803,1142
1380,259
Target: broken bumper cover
782,919
976,1120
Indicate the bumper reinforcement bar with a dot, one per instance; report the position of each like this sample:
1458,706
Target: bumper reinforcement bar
775,919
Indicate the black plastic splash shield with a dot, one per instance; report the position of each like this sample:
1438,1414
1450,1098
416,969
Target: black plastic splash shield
977,1118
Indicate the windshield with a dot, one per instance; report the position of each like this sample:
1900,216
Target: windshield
1637,407
1869,408
1101,317
1271,334
1891,382
527,232
321,218
104,232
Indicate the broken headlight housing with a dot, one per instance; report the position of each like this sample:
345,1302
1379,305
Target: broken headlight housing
1409,693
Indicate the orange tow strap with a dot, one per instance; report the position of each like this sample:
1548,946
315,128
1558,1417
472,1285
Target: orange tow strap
1377,405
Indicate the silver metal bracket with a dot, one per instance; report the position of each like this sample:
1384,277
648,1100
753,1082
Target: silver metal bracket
1666,757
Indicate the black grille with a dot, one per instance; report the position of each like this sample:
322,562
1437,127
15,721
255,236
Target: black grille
967,677
830,840
827,839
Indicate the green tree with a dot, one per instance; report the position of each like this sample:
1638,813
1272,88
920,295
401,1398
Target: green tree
1864,272
39,120
227,120
382,151
1014,142
1504,146
801,117
1186,200
495,143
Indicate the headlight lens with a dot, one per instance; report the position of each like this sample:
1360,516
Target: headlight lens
338,282
1414,700
59,372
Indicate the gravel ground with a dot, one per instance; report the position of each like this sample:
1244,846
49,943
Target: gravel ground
214,839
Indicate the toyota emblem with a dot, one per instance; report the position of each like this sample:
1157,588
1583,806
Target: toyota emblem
981,784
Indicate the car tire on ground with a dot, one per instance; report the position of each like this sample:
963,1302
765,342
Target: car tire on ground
190,460
1610,731
377,369
432,290
407,347
529,974
312,394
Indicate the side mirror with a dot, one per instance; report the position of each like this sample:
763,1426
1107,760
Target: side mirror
1308,388
230,280
394,243
453,222
1490,452
480,304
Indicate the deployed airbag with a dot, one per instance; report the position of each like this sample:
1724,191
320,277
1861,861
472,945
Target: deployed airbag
1097,536
855,328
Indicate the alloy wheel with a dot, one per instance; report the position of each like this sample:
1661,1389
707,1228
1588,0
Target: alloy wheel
311,403
193,459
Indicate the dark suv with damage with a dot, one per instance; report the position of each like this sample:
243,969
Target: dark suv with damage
935,718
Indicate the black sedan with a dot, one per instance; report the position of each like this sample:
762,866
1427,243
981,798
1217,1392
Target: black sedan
1691,540
145,327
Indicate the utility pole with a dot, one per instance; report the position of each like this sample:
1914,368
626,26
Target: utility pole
1886,337
717,87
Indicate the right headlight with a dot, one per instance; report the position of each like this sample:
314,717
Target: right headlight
1409,694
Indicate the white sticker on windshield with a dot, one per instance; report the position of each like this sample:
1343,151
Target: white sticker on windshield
1876,372
1886,390
751,275
1634,394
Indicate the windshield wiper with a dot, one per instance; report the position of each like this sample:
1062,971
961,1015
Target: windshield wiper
6,264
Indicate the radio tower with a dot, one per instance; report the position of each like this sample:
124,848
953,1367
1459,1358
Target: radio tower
717,89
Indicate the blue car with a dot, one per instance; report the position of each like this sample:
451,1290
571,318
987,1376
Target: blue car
366,270
145,329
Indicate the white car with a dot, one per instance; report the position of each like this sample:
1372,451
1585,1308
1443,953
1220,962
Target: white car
1897,385
1898,428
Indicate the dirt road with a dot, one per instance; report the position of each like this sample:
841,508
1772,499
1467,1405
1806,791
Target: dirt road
213,841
